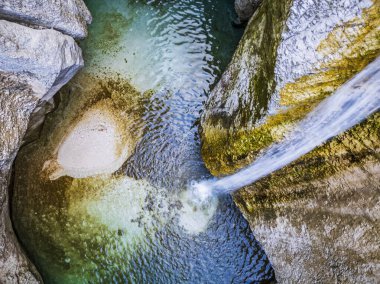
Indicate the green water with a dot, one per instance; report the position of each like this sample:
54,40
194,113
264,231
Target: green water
150,66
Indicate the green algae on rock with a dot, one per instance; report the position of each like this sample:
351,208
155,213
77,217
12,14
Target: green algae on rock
102,127
69,227
241,124
316,218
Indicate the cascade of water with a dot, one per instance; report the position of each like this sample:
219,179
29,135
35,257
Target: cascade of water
349,105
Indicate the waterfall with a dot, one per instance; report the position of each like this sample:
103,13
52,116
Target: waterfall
350,104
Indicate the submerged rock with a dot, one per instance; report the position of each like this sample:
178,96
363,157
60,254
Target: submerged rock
109,219
96,145
293,55
102,126
93,131
68,16
246,8
34,64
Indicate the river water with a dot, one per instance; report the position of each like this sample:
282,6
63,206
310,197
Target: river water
149,68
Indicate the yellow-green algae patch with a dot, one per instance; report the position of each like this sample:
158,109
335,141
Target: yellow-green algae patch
352,46
227,150
354,148
83,225
107,101
104,199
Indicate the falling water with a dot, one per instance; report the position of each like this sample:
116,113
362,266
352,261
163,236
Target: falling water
349,105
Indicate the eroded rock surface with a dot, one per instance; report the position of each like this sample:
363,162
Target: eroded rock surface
318,218
68,16
34,64
326,235
95,138
293,55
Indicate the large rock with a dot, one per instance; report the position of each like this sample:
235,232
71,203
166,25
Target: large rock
292,55
94,138
34,64
318,218
68,16
308,215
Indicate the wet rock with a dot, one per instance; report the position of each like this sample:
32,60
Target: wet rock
293,55
95,138
14,95
34,64
68,16
318,218
246,8
94,146
331,236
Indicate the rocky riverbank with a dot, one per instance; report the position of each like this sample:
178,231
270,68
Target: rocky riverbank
38,55
317,218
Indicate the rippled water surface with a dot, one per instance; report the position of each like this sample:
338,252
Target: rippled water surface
150,65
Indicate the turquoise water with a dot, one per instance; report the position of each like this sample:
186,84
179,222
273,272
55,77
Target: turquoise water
137,225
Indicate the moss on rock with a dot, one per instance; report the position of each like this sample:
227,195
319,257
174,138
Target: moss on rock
353,148
220,131
316,218
241,144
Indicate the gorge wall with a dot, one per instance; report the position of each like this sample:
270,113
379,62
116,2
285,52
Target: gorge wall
38,55
317,218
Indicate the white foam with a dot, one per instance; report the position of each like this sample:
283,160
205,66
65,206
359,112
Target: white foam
195,216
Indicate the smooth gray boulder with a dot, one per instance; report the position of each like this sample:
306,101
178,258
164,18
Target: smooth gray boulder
246,8
34,65
68,16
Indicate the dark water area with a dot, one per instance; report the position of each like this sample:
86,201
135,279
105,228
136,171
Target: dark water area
138,225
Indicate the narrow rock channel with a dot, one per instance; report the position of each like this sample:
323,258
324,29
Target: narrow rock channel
111,110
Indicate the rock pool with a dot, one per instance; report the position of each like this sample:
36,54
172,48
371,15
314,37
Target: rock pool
99,196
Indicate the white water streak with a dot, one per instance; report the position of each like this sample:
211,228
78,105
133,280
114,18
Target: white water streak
349,105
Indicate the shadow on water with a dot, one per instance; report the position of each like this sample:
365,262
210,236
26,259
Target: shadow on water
150,65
